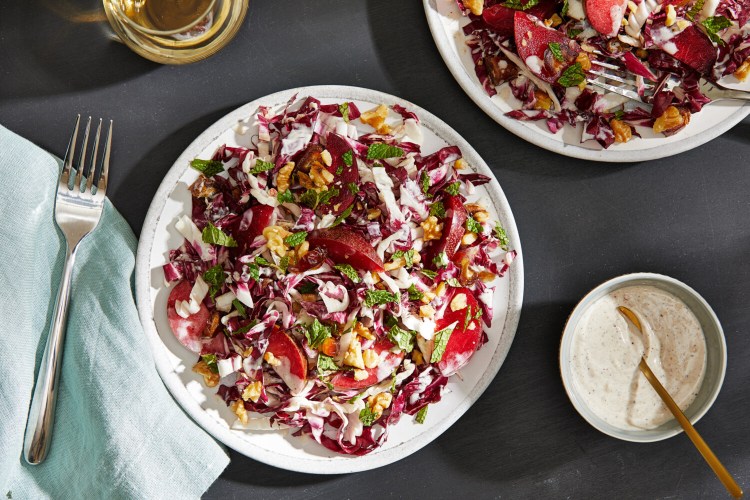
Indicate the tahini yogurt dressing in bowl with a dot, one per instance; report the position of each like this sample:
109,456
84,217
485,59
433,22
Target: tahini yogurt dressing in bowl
600,351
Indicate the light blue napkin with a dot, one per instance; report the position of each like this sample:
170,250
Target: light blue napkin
118,433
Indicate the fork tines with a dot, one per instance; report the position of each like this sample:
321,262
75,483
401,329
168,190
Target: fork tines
79,175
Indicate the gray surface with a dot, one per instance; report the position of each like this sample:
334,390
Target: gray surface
580,222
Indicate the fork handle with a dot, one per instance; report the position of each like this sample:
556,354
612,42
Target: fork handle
725,93
42,412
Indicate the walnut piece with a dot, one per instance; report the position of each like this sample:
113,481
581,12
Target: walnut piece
671,120
474,6
433,230
622,130
284,176
376,119
210,378
743,71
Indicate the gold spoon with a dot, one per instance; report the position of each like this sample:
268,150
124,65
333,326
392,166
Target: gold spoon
721,472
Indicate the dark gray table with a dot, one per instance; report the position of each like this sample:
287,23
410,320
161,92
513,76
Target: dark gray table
580,223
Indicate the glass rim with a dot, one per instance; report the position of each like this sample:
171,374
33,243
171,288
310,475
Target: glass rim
124,17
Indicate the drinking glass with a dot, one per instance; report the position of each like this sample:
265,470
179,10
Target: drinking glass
175,31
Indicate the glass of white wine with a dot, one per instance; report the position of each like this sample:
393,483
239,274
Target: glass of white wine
175,31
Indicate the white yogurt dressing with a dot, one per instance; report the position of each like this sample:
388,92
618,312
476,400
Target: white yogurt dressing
606,350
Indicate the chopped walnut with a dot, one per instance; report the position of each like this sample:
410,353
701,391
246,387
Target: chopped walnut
360,375
353,356
458,302
459,164
487,276
238,407
474,6
274,236
376,119
373,213
284,176
553,21
671,120
272,360
583,59
622,130
247,352
468,238
671,15
302,249
542,100
203,187
213,325
426,311
210,378
379,402
252,391
371,358
743,71
440,290
433,229
320,176
313,153
394,264
417,357
363,331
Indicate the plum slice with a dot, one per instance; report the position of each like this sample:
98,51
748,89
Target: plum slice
453,231
293,363
500,17
345,380
346,247
189,331
337,146
690,46
605,16
466,334
254,221
533,41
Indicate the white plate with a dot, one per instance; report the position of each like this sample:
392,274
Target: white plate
279,448
446,24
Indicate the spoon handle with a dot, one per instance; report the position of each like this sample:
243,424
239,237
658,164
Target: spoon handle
721,472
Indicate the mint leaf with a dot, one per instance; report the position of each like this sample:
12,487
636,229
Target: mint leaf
441,341
453,282
353,188
340,170
380,151
378,297
253,271
342,217
240,308
261,166
295,239
572,76
472,225
285,197
425,182
310,198
453,188
210,360
215,277
574,32
501,235
404,339
348,271
697,7
440,260
437,209
326,364
326,196
619,114
414,294
408,256
316,333
368,417
215,236
356,398
284,263
344,110
518,5
714,25
554,47
208,168
565,7
422,414
261,261
348,158
429,273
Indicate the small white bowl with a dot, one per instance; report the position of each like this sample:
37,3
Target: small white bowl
716,355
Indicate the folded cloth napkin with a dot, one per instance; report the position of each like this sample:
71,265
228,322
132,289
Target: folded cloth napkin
117,433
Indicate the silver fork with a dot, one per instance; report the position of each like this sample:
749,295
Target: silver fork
78,208
614,79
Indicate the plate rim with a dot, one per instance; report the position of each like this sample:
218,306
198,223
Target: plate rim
476,93
172,381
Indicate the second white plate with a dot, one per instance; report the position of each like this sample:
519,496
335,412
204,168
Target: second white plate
446,24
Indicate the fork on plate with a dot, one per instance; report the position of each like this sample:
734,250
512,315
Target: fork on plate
612,78
78,208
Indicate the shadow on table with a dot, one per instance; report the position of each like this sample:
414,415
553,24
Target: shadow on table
61,46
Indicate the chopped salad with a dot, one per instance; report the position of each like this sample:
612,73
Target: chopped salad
546,49
331,281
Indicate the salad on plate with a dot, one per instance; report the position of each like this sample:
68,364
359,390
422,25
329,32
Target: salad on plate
545,50
333,276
